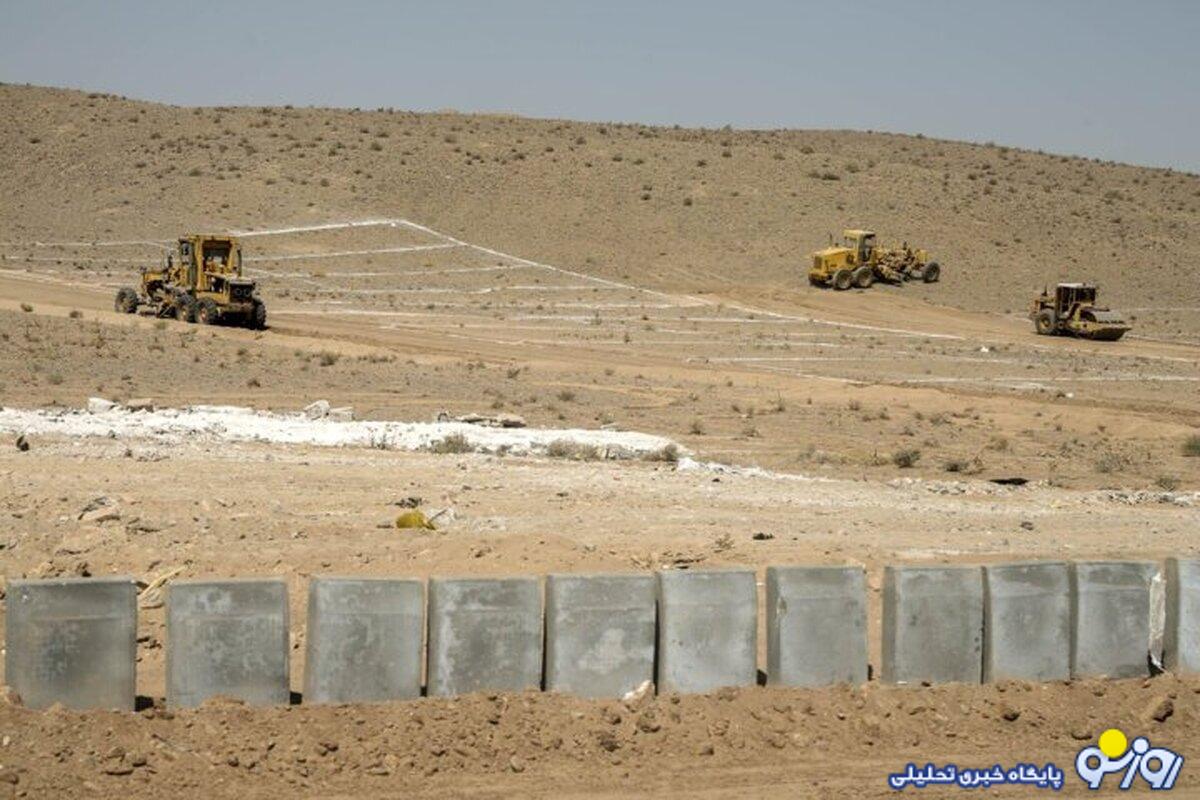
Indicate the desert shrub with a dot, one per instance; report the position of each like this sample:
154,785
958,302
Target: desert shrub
696,428
327,359
906,458
1191,445
667,453
451,443
1168,483
26,308
576,451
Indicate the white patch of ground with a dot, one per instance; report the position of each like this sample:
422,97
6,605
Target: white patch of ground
239,424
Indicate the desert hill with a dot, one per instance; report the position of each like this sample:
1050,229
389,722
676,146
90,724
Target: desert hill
686,210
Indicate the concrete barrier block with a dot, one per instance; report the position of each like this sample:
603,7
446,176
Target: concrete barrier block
227,638
1027,621
816,625
1111,618
72,641
1181,640
599,633
364,639
484,634
932,624
707,630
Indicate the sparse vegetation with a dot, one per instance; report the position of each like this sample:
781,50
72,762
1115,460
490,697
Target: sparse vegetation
1191,446
450,444
906,458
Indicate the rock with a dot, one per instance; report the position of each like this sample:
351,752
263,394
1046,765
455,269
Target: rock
22,443
516,764
510,421
98,405
1160,710
1027,525
317,410
342,414
105,513
139,404
9,696
76,542
762,536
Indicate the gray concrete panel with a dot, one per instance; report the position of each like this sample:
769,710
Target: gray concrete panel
485,634
932,624
816,625
227,638
1027,621
707,630
364,639
600,632
1111,618
1181,641
72,641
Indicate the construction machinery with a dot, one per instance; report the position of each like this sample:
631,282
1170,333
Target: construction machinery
1072,311
200,281
860,261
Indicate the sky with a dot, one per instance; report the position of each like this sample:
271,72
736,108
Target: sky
1111,79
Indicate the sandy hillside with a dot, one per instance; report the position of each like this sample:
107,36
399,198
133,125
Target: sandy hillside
606,278
679,209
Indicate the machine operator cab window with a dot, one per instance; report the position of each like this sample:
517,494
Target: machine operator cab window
862,244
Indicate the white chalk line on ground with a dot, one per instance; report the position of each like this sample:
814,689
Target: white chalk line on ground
412,248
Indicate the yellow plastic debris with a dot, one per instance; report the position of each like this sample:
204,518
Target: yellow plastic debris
414,519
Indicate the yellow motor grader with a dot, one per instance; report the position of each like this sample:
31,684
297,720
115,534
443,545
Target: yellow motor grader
860,261
1072,311
200,281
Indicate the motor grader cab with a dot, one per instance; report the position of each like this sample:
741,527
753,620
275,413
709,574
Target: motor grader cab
1072,311
200,281
860,261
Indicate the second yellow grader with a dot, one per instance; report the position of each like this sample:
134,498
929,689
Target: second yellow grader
860,261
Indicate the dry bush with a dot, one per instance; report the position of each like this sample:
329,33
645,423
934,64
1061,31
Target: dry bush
451,443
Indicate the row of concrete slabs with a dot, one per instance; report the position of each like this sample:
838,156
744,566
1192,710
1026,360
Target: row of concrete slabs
73,641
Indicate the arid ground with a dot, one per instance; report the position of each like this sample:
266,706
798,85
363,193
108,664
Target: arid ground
587,276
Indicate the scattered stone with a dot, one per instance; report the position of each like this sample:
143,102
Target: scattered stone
1027,525
1161,709
516,764
762,536
409,502
107,513
317,410
22,443
139,404
1010,714
341,414
9,696
98,405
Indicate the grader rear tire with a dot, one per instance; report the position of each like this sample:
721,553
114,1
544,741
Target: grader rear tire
185,308
1044,322
931,272
864,277
843,279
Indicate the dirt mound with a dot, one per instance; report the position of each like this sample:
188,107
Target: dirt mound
840,739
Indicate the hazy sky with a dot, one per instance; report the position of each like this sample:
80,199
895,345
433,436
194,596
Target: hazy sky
1111,79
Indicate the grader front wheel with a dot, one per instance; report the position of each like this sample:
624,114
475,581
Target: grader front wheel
843,279
126,301
1044,322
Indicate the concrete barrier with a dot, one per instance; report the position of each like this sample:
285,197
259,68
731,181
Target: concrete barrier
1027,621
816,625
1181,641
364,639
1111,617
932,624
599,633
227,638
707,630
484,634
72,641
